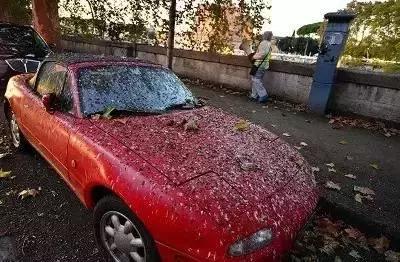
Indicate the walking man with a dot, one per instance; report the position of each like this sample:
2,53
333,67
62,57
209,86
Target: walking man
260,66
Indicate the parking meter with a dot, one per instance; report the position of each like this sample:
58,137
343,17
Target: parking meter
332,45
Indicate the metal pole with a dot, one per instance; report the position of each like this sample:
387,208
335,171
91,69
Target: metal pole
171,33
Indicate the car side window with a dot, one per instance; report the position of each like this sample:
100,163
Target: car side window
52,79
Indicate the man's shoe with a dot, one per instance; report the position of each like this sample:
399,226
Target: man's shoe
253,99
263,99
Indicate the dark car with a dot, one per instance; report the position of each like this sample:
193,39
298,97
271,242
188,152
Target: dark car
21,51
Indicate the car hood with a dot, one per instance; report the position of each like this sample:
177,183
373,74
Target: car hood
185,145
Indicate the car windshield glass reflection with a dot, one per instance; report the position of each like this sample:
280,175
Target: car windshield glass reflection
130,88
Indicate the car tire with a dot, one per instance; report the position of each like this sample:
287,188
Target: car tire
131,235
17,138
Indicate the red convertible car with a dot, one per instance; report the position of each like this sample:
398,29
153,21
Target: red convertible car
168,179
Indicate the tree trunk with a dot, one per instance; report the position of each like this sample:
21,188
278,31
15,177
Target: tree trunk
4,11
46,21
171,33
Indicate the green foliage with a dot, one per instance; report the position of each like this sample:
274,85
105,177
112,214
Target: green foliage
375,33
16,11
309,29
202,25
299,45
370,64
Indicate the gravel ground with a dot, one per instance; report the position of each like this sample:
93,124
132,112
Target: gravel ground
55,226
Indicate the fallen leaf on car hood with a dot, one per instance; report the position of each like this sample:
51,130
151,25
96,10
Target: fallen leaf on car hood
242,126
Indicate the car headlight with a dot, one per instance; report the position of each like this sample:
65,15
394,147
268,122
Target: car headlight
256,241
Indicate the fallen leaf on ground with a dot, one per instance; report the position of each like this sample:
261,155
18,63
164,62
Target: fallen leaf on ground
354,254
330,165
379,244
303,144
358,198
27,193
315,169
374,166
354,233
343,142
337,259
274,126
298,147
4,155
332,185
388,134
364,190
350,176
242,126
349,158
392,256
286,134
332,170
254,111
4,174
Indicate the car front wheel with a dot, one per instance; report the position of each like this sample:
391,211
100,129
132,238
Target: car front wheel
121,234
17,137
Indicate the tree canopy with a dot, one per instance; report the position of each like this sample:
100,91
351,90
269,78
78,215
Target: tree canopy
309,29
375,32
298,45
202,25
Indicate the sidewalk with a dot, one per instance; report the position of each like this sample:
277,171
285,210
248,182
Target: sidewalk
351,150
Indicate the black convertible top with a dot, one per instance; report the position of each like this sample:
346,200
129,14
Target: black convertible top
67,59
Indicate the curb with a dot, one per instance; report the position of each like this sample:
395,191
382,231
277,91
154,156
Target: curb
367,225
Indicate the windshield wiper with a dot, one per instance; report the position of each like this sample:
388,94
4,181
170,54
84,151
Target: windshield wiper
113,112
191,104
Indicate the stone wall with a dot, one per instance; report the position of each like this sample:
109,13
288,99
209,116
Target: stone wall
368,94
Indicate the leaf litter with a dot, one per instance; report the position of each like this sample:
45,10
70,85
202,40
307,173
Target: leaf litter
325,239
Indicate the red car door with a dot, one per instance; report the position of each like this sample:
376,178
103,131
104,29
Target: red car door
49,131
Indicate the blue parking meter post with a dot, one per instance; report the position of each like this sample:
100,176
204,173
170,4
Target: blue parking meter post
332,45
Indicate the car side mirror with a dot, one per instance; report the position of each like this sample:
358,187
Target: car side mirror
48,101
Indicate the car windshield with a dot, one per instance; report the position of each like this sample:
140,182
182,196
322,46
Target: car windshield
130,88
21,40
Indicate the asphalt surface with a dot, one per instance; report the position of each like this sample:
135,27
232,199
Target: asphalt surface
54,225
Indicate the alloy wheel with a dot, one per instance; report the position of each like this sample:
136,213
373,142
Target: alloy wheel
121,238
15,133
